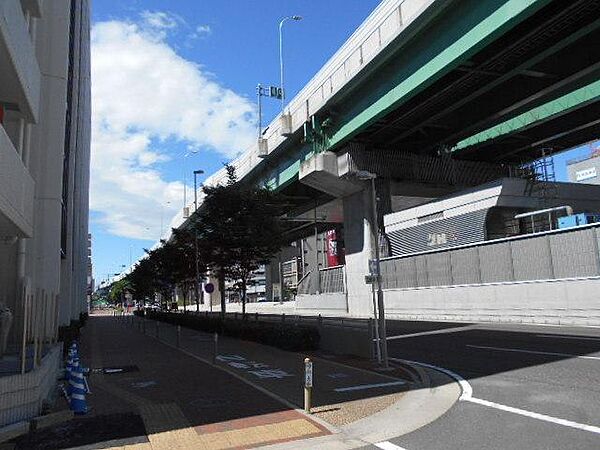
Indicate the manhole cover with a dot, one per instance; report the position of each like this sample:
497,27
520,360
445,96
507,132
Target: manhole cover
143,384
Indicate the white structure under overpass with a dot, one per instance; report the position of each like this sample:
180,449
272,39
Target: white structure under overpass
475,256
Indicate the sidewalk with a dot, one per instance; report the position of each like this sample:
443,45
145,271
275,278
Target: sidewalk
158,395
166,399
341,393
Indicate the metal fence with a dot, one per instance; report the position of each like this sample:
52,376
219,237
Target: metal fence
558,254
330,280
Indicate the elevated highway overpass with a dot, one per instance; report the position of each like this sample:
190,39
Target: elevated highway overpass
432,96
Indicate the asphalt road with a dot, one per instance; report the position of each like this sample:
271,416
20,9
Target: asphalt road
533,387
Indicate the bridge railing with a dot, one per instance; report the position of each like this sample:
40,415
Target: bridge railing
384,24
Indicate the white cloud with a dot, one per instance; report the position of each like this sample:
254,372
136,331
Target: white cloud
144,95
159,19
201,31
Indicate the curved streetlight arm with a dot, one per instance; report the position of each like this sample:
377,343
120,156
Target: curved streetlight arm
281,79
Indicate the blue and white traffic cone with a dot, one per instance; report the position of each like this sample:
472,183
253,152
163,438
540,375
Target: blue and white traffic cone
71,380
78,403
69,366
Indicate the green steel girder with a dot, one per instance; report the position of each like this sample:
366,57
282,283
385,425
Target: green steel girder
555,108
288,169
496,19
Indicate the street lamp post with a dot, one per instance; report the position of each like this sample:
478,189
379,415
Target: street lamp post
364,175
196,173
191,152
285,19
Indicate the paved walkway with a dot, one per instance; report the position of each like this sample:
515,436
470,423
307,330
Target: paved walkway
341,394
184,402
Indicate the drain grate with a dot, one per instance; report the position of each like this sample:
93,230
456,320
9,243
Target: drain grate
112,370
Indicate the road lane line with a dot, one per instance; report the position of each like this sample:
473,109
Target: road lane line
467,395
387,445
360,387
578,338
537,352
430,333
534,415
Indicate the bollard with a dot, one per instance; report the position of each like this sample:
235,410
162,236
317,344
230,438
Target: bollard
215,348
178,335
256,317
320,320
144,325
235,316
308,384
157,337
283,317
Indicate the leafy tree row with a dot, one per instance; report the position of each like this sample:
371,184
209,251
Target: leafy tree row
232,234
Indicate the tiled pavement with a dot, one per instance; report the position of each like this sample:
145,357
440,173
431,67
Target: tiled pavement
183,402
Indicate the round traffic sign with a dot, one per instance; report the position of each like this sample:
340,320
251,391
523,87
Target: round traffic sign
209,288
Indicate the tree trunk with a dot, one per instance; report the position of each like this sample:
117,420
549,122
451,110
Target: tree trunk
196,289
222,293
243,298
184,292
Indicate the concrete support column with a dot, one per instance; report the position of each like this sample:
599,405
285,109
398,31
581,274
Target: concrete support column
359,247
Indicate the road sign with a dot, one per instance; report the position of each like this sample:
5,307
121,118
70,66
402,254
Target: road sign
370,279
209,288
308,373
276,92
374,267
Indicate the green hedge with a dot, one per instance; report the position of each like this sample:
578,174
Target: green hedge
287,336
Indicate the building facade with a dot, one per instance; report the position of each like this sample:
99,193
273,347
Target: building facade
585,170
45,114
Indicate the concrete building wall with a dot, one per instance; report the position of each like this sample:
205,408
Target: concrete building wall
544,278
48,42
586,171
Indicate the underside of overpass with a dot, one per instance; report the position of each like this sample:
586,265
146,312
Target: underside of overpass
491,84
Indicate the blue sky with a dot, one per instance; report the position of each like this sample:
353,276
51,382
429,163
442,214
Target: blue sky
172,78
153,58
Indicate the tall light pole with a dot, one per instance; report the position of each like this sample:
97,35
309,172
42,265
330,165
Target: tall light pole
285,19
191,152
366,176
196,173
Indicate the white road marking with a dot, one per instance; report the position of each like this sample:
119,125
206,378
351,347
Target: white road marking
387,445
534,415
578,338
467,390
467,395
369,386
537,352
429,333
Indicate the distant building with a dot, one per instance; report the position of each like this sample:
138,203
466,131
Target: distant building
45,122
585,170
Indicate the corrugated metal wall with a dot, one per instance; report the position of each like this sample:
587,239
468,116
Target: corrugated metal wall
553,255
442,233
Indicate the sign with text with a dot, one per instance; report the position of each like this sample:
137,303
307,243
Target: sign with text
308,374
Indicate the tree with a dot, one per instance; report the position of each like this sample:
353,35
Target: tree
238,229
117,290
188,256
